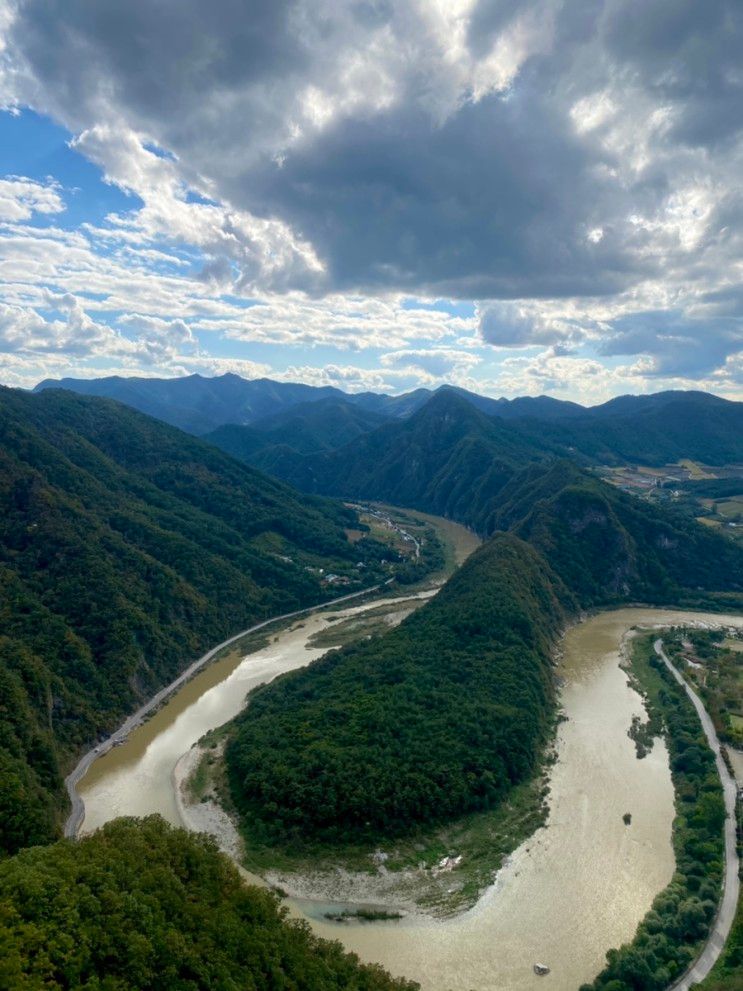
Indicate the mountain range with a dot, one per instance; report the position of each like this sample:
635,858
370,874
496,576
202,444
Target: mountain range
128,546
199,404
274,425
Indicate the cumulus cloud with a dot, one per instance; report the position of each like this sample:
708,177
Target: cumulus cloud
436,362
676,345
21,198
520,325
574,167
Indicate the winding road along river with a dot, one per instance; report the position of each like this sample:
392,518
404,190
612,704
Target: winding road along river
575,889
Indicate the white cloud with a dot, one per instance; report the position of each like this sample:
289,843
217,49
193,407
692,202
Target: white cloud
295,176
438,363
21,198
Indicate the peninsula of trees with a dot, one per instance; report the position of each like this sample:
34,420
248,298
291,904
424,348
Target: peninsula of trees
445,714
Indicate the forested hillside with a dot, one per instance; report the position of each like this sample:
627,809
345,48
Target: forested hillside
653,430
303,429
126,548
141,905
446,713
436,718
609,546
456,451
448,458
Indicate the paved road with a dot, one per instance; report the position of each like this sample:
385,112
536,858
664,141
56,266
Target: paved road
75,819
731,883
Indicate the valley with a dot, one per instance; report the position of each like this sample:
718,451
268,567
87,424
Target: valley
434,773
544,904
371,495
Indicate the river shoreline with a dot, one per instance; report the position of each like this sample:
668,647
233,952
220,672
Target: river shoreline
119,736
332,880
544,904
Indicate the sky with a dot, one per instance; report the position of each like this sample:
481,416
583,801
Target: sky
515,196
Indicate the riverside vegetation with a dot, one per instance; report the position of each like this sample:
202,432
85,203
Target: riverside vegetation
671,934
714,666
448,712
444,713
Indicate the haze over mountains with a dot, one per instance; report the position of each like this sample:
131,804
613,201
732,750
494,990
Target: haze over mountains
199,404
448,452
307,419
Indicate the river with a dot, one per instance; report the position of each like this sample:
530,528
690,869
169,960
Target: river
136,777
575,889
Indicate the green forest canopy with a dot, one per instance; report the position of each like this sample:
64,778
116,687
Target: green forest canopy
126,549
440,716
141,905
443,715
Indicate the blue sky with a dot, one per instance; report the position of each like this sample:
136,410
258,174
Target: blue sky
518,197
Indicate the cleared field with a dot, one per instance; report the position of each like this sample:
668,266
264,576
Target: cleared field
732,509
696,471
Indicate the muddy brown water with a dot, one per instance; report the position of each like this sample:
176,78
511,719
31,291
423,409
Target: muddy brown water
573,890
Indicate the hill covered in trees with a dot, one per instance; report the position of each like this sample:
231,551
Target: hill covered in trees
438,717
126,549
651,430
447,458
304,429
608,546
141,905
447,712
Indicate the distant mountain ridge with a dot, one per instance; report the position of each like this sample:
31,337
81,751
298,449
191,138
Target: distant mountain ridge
199,404
271,424
306,428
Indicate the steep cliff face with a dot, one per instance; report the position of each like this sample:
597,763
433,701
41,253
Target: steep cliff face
608,546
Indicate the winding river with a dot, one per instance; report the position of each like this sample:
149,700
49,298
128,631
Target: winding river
578,887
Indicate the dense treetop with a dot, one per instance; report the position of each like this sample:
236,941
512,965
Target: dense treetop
608,546
141,905
447,458
439,717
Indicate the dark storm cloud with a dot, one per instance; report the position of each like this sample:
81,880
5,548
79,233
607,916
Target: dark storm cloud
487,20
688,54
679,346
434,191
474,207
522,149
153,58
